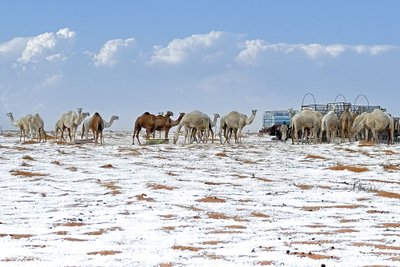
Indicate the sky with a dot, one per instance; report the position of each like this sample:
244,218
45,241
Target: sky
127,57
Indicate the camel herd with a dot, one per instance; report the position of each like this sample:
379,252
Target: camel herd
197,125
350,125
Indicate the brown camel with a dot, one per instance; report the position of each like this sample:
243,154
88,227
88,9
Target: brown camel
346,122
147,121
163,123
151,123
97,126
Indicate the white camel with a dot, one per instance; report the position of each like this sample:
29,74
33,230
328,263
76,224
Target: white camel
235,122
329,124
22,124
376,122
193,120
305,120
70,121
36,123
86,125
356,121
200,136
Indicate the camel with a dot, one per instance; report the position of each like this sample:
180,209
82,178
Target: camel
235,122
376,121
70,121
36,123
22,124
212,124
330,124
97,126
356,121
193,120
151,122
346,122
86,124
163,123
306,119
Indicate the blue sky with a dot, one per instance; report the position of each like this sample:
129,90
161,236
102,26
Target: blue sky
128,57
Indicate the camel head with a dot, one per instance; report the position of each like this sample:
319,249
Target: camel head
216,116
113,118
10,115
169,114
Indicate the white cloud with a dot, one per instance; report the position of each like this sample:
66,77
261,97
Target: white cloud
45,45
253,49
14,46
178,50
51,80
108,54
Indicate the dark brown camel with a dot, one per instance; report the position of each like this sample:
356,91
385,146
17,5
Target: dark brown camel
146,121
151,123
170,123
163,123
97,127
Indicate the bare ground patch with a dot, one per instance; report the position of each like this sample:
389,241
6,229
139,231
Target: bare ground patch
211,199
386,194
349,168
160,187
105,252
27,173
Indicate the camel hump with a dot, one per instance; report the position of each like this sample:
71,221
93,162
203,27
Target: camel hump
97,114
146,113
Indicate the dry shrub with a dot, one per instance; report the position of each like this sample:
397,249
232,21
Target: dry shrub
217,216
314,157
366,143
72,239
211,200
24,164
160,187
391,168
26,157
27,173
259,215
212,243
386,194
221,154
235,227
56,162
17,236
304,186
316,208
264,180
143,197
115,189
190,248
72,169
378,246
346,230
105,252
265,263
168,228
172,174
349,168
107,166
314,256
70,224
168,216
165,265
389,152
390,225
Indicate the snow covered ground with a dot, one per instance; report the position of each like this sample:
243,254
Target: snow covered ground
259,203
